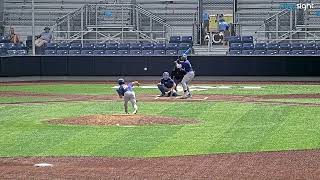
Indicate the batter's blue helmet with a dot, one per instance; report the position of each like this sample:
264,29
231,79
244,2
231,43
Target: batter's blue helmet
120,81
184,57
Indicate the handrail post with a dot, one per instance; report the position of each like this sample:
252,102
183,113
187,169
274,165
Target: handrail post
96,7
82,29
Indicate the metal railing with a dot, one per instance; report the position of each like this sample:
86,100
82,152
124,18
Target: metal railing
115,21
299,35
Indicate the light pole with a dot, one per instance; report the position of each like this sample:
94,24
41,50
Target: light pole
33,30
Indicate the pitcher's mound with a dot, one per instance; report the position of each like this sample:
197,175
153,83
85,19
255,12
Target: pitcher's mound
122,120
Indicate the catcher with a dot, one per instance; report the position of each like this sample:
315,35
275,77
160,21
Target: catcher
167,86
126,91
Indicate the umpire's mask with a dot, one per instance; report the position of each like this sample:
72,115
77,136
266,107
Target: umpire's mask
165,75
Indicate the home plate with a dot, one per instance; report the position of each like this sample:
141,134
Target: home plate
43,165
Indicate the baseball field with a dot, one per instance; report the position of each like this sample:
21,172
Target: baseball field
227,130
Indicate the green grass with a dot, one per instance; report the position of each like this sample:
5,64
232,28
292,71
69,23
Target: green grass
298,100
24,99
98,89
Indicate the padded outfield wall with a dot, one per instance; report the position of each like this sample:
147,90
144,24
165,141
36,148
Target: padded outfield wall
135,65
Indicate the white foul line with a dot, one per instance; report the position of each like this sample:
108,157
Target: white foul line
156,98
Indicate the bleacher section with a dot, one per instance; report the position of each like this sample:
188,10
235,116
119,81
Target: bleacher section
243,45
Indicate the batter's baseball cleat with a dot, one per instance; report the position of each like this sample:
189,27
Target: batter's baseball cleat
135,112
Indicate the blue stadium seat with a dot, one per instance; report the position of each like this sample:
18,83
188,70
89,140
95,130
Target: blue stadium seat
100,46
4,40
147,46
318,52
247,52
112,46
99,52
111,52
284,52
51,46
135,52
74,52
309,52
297,52
135,46
272,52
50,52
88,46
124,46
11,46
171,52
159,52
75,46
234,39
181,52
285,46
175,39
22,52
172,46
184,46
86,52
259,52
273,46
12,52
123,52
147,52
62,52
63,46
310,46
186,39
248,46
260,46
234,52
235,46
159,46
247,39
297,46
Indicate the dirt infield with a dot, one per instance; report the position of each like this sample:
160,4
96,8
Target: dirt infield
264,165
121,120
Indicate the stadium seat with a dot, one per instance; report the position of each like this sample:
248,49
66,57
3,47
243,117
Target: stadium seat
50,52
297,46
147,52
123,52
272,52
273,46
124,46
4,40
12,52
11,46
184,46
309,52
111,52
318,52
75,46
159,46
88,46
51,46
259,52
247,39
135,52
22,52
62,52
234,52
63,46
310,46
234,39
147,46
284,52
171,52
172,46
247,46
86,52
235,46
100,46
260,46
285,46
186,39
247,52
20,46
112,46
175,39
297,52
159,52
74,52
135,46
99,52
3,49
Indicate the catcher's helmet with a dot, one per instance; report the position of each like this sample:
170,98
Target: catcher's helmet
120,81
165,75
